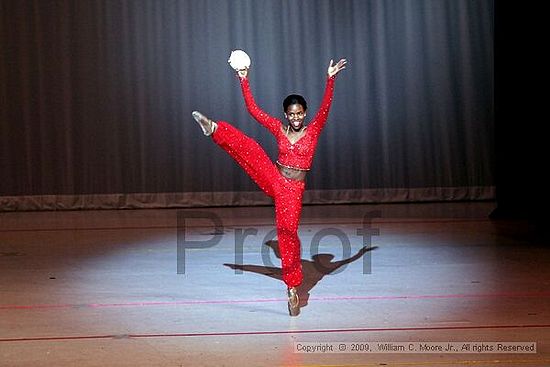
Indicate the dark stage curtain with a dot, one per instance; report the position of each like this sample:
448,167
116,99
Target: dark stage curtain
96,99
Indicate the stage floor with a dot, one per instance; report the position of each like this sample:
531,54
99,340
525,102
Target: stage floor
201,287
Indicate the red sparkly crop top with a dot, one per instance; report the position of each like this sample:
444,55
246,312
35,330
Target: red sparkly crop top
300,154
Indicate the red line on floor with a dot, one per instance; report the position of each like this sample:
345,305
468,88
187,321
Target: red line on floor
264,300
272,332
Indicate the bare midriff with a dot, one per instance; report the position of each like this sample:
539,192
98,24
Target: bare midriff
291,172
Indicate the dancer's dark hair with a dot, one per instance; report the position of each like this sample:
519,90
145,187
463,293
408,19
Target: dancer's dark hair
294,99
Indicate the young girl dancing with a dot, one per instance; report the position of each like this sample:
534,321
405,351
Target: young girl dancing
284,180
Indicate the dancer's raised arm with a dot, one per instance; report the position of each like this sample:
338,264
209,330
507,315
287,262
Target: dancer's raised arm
320,118
271,123
240,62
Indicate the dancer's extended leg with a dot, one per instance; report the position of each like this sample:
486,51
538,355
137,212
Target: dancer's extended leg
248,154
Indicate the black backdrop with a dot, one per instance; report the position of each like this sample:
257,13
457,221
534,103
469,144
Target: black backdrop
95,99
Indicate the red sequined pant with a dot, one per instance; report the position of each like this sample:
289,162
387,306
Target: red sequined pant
286,193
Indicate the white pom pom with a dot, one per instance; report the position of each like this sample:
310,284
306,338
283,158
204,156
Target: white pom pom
239,60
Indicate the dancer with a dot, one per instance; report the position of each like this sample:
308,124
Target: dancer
284,181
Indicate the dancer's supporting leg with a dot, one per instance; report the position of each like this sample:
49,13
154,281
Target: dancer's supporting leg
288,207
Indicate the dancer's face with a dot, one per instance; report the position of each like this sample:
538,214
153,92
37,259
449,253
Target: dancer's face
295,114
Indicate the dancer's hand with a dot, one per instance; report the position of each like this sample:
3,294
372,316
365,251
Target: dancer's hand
243,73
335,69
240,62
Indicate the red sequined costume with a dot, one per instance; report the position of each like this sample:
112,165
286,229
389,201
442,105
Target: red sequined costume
286,193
